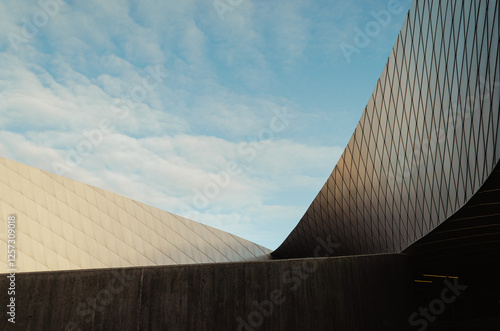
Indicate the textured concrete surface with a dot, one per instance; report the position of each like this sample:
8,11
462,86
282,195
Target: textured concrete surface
348,293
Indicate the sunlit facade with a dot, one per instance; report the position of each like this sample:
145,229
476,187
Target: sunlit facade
62,224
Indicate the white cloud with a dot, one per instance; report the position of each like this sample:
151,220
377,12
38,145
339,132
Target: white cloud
82,66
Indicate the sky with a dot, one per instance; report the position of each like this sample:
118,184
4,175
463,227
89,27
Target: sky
230,112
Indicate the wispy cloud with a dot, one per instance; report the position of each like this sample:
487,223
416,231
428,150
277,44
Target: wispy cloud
221,83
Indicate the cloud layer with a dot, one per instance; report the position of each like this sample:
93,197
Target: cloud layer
159,100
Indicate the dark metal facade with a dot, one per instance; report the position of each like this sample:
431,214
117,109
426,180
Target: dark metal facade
426,142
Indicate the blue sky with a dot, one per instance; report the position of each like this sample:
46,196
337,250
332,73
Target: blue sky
232,113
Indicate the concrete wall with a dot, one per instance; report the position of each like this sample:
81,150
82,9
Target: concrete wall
347,293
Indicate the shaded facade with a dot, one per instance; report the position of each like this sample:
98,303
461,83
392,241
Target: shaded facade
426,142
471,236
63,224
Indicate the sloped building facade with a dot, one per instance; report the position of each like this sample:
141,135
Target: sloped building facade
62,224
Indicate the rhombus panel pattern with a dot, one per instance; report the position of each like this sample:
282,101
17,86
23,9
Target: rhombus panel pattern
63,224
426,142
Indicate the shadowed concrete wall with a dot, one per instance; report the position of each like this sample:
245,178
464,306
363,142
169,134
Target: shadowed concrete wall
346,293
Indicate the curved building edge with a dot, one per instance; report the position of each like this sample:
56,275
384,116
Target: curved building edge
427,141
